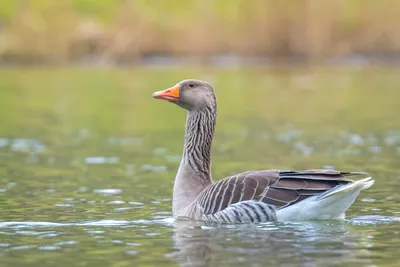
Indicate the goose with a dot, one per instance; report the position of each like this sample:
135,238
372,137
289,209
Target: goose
252,196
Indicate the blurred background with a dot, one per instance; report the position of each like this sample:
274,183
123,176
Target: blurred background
88,158
254,32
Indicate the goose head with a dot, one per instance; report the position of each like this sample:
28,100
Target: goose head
192,95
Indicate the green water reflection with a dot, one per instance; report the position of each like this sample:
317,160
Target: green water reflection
87,161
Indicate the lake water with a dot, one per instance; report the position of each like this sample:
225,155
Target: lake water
88,158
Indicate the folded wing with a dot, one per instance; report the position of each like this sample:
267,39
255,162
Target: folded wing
274,188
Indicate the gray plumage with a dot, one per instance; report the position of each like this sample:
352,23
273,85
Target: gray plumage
254,196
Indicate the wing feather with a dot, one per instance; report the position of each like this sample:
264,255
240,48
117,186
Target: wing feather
274,188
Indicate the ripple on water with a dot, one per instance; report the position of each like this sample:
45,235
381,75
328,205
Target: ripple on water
21,225
152,234
27,145
49,248
28,224
133,244
66,243
168,221
22,247
95,232
104,223
135,203
131,252
374,219
48,235
101,160
3,142
124,208
163,213
370,200
116,202
109,191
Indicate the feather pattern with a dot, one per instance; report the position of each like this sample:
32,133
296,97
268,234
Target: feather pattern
248,211
249,194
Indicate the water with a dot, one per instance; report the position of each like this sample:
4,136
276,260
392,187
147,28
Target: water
87,161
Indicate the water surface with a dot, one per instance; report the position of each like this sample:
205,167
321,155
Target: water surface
87,161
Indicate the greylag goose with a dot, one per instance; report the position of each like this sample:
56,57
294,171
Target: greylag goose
253,196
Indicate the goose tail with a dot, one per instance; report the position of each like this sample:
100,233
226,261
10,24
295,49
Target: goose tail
345,190
329,205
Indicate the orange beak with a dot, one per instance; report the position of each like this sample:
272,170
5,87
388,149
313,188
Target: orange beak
170,94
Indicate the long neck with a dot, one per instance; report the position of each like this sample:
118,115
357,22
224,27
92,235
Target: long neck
200,127
194,172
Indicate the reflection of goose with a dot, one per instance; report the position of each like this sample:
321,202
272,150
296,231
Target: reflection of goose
276,244
255,196
194,246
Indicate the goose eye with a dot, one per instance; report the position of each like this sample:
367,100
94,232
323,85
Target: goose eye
191,85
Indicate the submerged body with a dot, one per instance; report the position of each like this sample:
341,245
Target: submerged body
255,196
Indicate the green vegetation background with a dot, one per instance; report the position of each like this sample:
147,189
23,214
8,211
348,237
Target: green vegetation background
63,31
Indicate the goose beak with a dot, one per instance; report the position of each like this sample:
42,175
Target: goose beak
171,94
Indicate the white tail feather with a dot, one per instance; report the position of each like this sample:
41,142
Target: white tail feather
330,205
346,189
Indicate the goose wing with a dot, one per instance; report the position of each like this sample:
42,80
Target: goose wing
267,189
